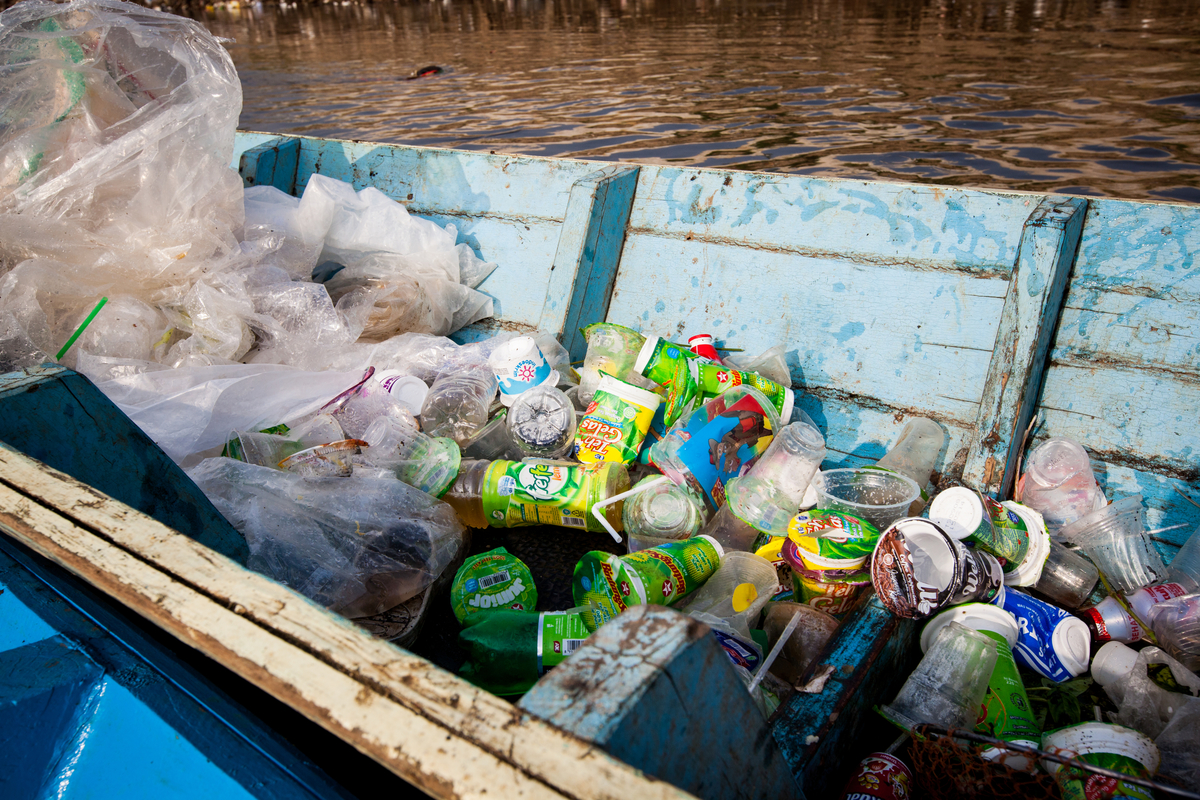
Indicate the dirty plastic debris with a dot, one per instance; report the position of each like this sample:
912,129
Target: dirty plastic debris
357,545
948,687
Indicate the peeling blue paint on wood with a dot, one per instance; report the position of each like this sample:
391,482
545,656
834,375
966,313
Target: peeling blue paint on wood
654,689
1027,321
271,163
589,248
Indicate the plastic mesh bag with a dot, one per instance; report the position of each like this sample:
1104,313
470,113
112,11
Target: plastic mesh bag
358,546
116,132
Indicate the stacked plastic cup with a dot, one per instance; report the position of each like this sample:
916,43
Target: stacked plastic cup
1115,539
1184,569
423,462
948,686
1059,483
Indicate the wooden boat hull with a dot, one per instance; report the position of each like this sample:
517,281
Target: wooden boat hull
984,311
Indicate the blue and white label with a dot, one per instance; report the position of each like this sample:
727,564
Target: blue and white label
1037,620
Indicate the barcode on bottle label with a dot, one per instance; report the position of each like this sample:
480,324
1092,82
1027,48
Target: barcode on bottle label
493,580
573,522
569,646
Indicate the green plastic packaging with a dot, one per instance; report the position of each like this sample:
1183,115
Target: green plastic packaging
607,584
491,581
1009,716
508,650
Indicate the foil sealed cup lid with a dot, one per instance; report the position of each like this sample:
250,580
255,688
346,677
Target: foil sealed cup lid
915,568
976,616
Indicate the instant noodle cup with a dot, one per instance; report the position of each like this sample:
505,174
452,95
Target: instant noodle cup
832,539
607,584
833,591
615,423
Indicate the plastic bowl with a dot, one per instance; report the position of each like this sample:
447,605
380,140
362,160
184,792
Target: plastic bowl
878,496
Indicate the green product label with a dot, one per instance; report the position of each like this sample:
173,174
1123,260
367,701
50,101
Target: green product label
1006,713
492,580
612,429
832,534
667,362
715,379
517,493
1078,784
607,584
560,633
1009,538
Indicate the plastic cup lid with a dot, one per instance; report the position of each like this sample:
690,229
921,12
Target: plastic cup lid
976,616
628,392
1029,571
644,354
958,510
789,403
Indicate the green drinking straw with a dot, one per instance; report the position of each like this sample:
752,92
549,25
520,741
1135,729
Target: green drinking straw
81,328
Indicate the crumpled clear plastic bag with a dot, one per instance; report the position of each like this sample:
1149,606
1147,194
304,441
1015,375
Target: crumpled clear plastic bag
192,408
1144,705
358,546
1179,745
116,133
771,364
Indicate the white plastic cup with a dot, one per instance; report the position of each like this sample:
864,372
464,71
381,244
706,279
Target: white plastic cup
1112,663
519,365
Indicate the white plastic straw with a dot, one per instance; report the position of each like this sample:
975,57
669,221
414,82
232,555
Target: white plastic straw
775,651
596,509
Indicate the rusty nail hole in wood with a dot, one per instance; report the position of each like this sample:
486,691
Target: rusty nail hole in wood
410,195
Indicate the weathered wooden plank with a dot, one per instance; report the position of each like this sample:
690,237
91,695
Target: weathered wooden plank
655,689
1027,323
271,163
867,661
471,717
417,749
58,417
914,227
1150,333
589,249
920,340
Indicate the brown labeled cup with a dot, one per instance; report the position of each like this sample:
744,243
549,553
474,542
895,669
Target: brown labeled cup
918,569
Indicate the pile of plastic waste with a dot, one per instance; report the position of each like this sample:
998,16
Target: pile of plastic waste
292,354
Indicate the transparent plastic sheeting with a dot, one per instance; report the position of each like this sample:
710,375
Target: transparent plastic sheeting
358,546
116,132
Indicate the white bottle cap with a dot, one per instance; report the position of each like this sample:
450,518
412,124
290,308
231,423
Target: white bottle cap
958,510
407,390
1113,662
1072,643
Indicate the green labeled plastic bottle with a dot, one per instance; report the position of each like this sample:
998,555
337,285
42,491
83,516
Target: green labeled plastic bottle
509,494
509,650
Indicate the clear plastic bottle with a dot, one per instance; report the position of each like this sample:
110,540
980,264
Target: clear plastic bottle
458,402
509,494
915,454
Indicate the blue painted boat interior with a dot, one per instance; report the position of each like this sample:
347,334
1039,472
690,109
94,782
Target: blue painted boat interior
95,703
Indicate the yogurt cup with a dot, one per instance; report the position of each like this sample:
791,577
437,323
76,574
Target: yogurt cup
967,514
832,591
832,539
615,423
1029,570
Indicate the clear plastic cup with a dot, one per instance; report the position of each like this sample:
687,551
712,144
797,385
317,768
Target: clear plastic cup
791,461
737,591
1176,624
879,497
1184,569
752,506
1115,539
423,462
1067,577
664,513
612,349
807,641
458,402
1059,483
948,686
915,453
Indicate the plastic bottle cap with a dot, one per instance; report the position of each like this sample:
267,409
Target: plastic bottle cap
1072,643
743,596
1113,662
976,616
